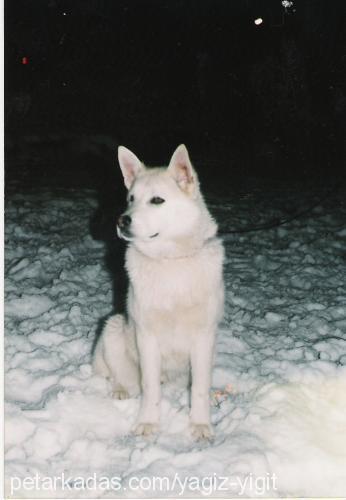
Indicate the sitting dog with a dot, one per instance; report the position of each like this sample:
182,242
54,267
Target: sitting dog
175,299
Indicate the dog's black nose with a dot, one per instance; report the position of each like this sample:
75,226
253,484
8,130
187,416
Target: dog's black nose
124,221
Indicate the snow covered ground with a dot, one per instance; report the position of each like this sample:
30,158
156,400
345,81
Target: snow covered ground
279,384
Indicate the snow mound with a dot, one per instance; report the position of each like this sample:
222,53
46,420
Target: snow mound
28,306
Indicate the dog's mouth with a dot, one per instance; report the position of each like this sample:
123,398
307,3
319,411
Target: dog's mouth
123,234
127,236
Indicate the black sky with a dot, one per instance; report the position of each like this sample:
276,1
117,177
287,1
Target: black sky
268,99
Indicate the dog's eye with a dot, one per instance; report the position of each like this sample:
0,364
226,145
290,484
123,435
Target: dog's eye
156,200
131,198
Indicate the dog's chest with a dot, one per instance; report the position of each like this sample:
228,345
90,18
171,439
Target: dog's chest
175,284
175,299
171,283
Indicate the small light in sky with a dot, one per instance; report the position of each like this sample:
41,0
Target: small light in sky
258,21
64,14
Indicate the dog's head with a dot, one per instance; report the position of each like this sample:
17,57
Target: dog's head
164,203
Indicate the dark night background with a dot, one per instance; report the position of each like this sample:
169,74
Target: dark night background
265,102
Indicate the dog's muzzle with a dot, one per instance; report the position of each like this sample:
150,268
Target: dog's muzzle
123,228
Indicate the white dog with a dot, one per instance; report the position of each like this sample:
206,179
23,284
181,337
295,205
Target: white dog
175,299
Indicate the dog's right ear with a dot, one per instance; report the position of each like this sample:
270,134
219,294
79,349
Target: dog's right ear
130,165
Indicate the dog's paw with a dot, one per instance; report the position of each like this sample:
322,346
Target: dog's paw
201,432
120,394
146,429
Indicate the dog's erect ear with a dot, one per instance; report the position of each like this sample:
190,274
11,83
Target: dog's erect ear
130,165
181,169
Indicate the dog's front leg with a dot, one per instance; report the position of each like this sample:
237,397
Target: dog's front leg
201,366
150,361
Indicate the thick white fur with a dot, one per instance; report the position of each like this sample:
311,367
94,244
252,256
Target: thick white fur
175,300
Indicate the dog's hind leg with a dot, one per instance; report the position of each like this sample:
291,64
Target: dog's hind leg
98,362
116,357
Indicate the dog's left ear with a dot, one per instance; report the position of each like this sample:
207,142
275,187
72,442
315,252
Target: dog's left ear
130,165
182,171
